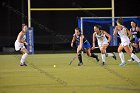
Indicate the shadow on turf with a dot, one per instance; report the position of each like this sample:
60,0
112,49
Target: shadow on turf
75,86
60,81
131,82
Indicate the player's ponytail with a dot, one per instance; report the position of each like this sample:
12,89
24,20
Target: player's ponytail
120,21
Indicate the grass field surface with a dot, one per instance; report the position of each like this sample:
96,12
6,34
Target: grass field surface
40,76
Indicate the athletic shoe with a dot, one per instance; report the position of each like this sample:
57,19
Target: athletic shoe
131,60
114,56
103,63
23,64
79,64
122,64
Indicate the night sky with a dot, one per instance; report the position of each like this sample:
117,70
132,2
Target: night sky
14,13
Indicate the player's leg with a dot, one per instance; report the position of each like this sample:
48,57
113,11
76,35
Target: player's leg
121,55
88,51
20,47
24,51
103,53
132,49
109,54
136,48
87,46
79,56
127,49
139,44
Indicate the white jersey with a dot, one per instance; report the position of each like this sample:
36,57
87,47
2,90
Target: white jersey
101,39
23,38
19,45
123,36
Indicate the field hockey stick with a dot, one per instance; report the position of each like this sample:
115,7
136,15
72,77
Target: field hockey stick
96,47
73,59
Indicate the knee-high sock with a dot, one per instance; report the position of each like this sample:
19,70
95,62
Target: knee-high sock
135,57
80,58
122,57
24,56
103,57
133,53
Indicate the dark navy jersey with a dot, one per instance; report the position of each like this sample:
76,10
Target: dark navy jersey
135,33
78,38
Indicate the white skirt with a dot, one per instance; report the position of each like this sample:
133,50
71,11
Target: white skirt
19,46
100,44
125,43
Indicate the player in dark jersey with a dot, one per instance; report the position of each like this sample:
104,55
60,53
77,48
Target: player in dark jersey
82,43
135,30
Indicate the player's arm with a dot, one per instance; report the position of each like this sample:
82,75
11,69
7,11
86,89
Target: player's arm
129,34
73,40
108,35
20,35
93,41
81,41
115,31
138,29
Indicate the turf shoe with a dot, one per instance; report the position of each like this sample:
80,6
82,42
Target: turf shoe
80,63
103,63
23,64
131,60
114,56
122,64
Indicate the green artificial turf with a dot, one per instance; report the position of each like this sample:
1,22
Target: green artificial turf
40,76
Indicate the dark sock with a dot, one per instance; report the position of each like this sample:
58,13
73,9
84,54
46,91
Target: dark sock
95,56
134,50
80,58
132,59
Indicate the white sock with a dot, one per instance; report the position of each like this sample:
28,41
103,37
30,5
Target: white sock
135,57
24,56
103,57
122,57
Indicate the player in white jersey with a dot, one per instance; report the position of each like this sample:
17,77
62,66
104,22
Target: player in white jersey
124,33
103,42
19,45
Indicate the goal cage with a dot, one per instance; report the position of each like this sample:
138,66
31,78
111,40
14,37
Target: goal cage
86,24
